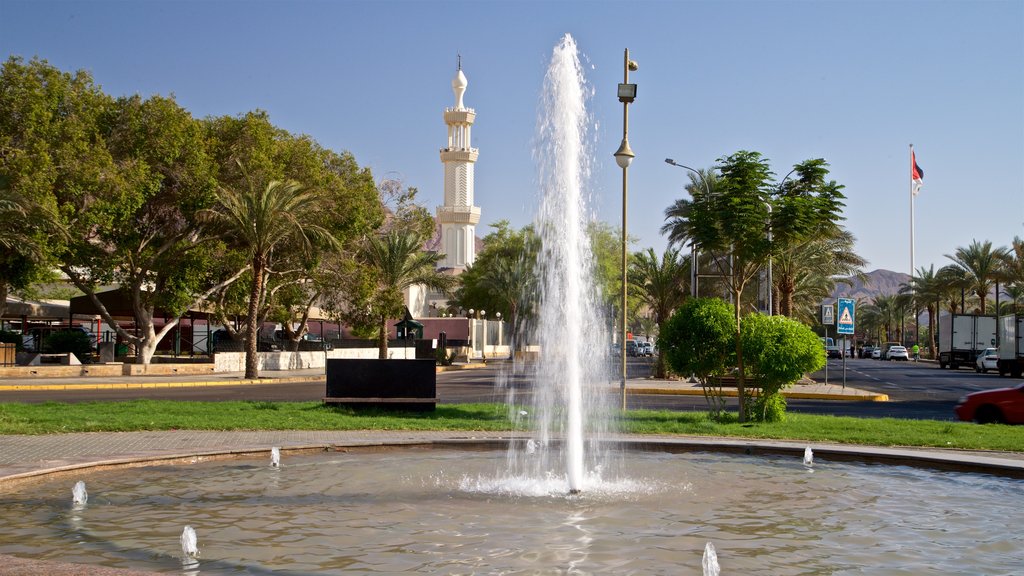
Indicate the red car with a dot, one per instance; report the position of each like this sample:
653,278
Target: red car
999,406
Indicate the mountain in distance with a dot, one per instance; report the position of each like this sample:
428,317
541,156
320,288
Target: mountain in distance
879,283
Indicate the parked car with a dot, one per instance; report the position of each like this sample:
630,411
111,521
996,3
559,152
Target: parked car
999,406
632,349
897,353
986,361
876,354
646,349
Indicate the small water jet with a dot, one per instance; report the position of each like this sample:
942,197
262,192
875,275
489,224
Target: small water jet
275,457
189,545
808,457
709,562
79,495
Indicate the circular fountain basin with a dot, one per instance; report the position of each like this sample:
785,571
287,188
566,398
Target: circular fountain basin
453,511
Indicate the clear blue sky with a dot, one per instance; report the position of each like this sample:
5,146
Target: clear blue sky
854,82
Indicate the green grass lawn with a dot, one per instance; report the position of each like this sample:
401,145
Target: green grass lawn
53,418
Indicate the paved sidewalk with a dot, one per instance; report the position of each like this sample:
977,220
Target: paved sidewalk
807,389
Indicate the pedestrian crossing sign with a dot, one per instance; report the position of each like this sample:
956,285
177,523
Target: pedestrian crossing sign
828,315
846,316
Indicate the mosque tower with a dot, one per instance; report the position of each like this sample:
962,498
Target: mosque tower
458,217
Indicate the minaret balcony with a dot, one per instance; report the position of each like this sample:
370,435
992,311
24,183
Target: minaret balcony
459,154
458,215
459,116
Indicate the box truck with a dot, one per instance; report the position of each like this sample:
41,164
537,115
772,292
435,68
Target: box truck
962,337
1011,345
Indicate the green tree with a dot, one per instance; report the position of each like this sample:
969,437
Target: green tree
732,225
779,351
699,340
50,143
661,286
256,220
808,240
925,287
393,262
981,263
349,207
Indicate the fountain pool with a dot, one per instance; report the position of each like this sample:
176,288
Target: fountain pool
454,511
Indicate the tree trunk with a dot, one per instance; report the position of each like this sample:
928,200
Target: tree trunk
252,366
740,387
382,338
4,289
931,333
147,345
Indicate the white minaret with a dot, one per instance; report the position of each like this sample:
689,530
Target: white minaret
458,217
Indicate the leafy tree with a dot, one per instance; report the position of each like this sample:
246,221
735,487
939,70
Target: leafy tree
981,263
778,351
661,286
349,207
699,339
732,222
50,143
257,220
606,247
504,278
393,262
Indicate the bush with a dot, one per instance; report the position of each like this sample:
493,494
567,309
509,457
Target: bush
777,351
74,341
699,340
11,338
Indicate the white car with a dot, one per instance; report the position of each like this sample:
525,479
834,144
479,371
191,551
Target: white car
897,353
876,354
986,361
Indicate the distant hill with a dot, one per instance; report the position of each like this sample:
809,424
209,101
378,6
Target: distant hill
879,282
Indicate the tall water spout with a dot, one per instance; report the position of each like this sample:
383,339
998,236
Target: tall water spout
571,331
275,457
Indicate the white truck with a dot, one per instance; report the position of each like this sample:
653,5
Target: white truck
962,337
1011,345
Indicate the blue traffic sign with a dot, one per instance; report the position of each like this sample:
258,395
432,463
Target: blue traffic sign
845,322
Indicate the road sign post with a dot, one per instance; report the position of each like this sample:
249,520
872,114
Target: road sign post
828,318
847,309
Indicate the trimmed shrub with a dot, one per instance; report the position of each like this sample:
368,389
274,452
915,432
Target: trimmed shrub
777,351
74,341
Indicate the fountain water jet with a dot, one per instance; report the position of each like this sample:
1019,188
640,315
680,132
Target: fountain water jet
79,495
275,457
568,405
189,544
709,563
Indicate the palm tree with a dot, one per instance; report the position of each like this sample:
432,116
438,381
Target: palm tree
982,264
513,282
661,286
396,261
953,283
807,273
1013,273
257,221
925,286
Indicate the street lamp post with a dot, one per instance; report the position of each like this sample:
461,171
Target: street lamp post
623,156
693,247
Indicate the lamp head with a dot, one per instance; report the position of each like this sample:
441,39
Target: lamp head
633,66
624,155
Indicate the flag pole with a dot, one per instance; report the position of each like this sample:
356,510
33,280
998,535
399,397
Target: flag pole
911,210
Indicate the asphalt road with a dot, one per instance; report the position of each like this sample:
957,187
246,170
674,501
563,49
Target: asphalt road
916,390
